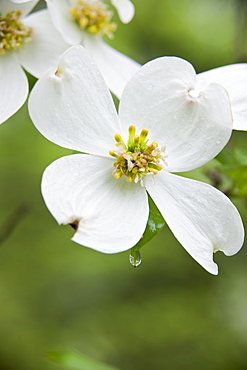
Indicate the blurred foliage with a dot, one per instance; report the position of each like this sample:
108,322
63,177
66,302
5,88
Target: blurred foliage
234,165
75,360
166,314
229,173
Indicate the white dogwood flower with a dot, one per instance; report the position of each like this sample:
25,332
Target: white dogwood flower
23,43
85,22
165,124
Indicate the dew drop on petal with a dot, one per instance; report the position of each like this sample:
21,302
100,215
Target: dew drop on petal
135,258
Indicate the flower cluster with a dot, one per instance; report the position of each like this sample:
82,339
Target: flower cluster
136,159
94,18
170,120
12,32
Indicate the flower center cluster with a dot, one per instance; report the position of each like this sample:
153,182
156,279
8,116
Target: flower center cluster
137,159
13,33
94,16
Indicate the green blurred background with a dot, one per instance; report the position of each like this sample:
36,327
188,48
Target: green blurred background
166,314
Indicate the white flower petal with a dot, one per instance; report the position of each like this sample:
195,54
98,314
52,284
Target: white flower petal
73,107
45,47
234,80
116,68
25,7
163,97
62,19
13,86
125,8
202,218
111,214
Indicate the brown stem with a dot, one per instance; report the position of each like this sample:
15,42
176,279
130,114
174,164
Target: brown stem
13,221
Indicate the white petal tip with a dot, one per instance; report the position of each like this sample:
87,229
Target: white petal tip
209,265
125,8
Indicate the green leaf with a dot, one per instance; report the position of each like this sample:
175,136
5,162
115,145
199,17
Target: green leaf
226,157
238,175
75,360
237,155
241,155
154,225
230,174
233,165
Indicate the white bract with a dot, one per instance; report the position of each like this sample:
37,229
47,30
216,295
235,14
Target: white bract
23,43
234,79
85,22
165,123
125,9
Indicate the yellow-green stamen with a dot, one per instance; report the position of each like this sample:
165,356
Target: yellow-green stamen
13,33
137,159
94,17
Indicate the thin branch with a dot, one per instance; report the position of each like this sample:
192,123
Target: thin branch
13,221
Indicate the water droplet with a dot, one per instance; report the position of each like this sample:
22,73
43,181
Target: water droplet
135,258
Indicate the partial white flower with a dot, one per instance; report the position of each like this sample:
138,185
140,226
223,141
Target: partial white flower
86,22
125,8
234,79
31,42
165,124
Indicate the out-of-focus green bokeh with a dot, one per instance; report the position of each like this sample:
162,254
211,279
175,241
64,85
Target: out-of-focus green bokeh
166,314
